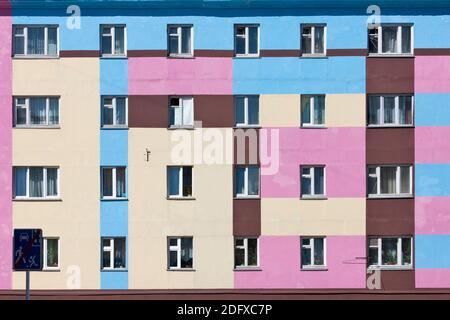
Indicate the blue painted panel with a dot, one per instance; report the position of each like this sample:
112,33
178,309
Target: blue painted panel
113,76
432,251
114,218
295,75
432,180
432,109
114,280
113,147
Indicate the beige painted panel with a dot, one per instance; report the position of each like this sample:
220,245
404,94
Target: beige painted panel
152,218
341,110
335,216
75,149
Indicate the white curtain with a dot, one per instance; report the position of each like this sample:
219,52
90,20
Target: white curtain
120,182
52,182
186,40
36,40
121,108
253,181
388,180
374,110
52,39
119,40
38,110
319,110
389,110
36,182
306,109
389,39
318,40
188,112
53,112
405,180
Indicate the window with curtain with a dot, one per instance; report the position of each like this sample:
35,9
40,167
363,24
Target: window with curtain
180,253
35,40
113,40
390,110
113,182
114,253
313,39
36,182
179,180
246,110
390,39
246,253
115,112
388,181
312,110
181,112
313,252
312,181
246,40
247,181
180,40
390,252
51,253
36,111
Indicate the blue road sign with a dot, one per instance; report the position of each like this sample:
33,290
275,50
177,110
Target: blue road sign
27,250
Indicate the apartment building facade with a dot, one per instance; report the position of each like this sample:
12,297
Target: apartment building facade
227,144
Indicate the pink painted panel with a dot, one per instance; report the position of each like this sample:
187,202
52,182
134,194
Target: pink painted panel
432,74
432,278
341,150
432,215
280,265
5,150
432,144
180,76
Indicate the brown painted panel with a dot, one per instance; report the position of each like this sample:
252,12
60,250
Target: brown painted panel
147,53
346,52
148,111
390,75
432,52
397,280
390,146
246,146
214,111
280,53
79,53
214,53
246,217
390,217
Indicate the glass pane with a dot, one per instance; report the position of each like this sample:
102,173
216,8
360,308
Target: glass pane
239,181
53,116
373,40
20,182
21,115
252,252
253,40
240,110
253,181
106,261
373,252
306,110
240,40
119,253
306,40
389,36
107,186
389,251
319,39
319,259
36,41
406,251
121,111
372,181
119,46
239,257
319,110
173,242
186,253
173,259
174,181
52,182
108,115
106,42
306,256
38,110
52,46
306,182
19,41
389,110
36,182
52,253
173,44
253,110
405,180
406,39
388,180
120,182
188,112
187,181
374,110
176,112
186,40
319,181
405,110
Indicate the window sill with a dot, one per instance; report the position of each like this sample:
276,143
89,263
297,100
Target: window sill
181,56
247,127
51,269
314,56
114,270
313,127
35,57
313,198
181,128
245,56
114,57
390,126
36,199
390,55
114,127
181,270
390,268
36,127
394,196
113,199
247,197
246,269
324,268
181,198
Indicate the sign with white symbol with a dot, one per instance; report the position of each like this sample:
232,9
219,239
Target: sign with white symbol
27,250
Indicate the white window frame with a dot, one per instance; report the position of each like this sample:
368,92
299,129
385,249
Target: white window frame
28,113
310,247
247,40
312,111
111,249
45,255
180,183
114,182
313,39
25,36
397,110
113,107
177,249
246,195
311,175
44,178
399,264
182,99
179,34
113,38
397,193
399,40
245,124
245,248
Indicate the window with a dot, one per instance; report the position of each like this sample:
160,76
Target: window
36,182
51,253
313,252
180,40
113,253
246,40
35,41
313,39
115,112
113,40
389,180
179,182
181,112
246,181
312,181
246,111
390,110
391,39
180,253
390,252
113,183
313,110
246,252
36,111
